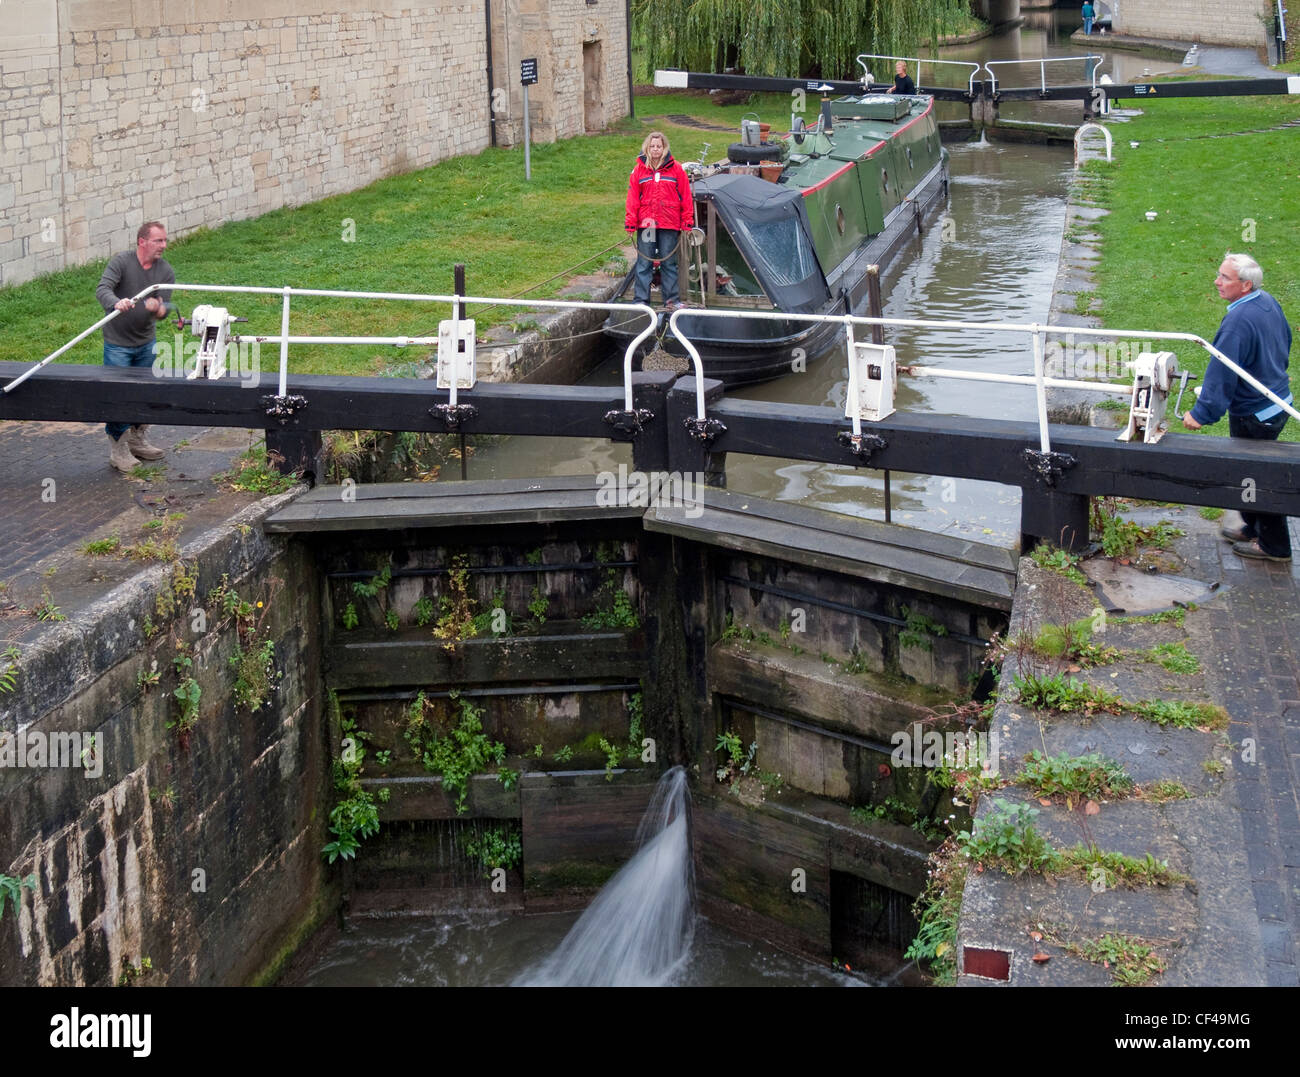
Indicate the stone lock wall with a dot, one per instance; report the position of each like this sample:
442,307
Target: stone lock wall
119,112
1193,20
201,853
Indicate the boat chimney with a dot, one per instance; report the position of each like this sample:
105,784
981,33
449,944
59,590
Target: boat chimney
826,115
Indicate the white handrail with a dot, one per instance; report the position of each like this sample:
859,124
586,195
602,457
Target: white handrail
970,82
1037,331
1042,67
284,339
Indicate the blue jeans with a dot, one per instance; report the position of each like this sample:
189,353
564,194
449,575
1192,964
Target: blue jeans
121,355
1087,26
656,243
1270,530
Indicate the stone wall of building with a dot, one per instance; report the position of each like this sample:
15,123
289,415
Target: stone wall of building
1194,20
119,111
581,50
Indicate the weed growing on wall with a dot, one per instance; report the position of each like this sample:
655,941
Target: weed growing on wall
494,847
454,752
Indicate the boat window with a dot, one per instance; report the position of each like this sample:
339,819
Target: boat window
734,275
787,254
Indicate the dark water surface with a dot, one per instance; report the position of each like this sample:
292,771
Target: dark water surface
487,950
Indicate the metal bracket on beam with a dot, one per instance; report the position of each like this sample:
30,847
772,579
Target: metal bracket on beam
1048,466
453,414
282,408
705,430
863,446
629,423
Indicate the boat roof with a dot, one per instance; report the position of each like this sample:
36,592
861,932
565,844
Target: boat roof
852,138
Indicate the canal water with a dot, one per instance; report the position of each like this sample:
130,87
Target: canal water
991,257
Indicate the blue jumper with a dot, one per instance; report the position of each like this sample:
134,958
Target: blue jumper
1255,335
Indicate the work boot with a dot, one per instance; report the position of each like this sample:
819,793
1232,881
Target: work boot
139,445
121,457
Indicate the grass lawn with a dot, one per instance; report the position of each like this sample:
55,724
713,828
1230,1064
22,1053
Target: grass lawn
1219,181
409,231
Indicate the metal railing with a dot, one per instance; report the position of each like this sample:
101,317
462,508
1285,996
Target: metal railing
1042,67
1037,333
458,302
918,61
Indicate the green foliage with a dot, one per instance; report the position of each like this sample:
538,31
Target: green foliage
894,810
392,620
494,847
1006,838
613,757
1131,962
45,609
937,910
919,631
1164,790
1083,777
1121,538
133,973
350,618
1059,693
1115,869
1175,657
9,674
1172,616
1181,713
635,718
1062,562
11,889
457,753
456,607
614,606
355,815
563,754
495,621
251,472
187,694
371,587
538,605
789,38
1074,641
421,612
254,667
103,547
1210,512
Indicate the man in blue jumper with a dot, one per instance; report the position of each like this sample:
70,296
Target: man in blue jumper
1255,335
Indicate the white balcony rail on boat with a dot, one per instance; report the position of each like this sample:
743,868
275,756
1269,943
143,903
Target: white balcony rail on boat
1092,61
458,304
1037,333
919,62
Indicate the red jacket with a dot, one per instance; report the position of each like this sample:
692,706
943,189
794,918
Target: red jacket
661,198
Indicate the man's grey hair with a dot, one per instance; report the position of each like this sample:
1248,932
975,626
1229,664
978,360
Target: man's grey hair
1247,269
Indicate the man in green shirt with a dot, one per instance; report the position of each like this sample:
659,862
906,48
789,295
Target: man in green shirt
129,338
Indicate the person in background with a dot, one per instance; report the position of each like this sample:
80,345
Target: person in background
902,80
1089,13
129,338
659,208
1255,335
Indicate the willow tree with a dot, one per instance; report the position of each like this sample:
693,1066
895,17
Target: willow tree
786,37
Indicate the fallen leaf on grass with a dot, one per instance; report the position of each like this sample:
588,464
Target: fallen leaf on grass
1091,808
1046,802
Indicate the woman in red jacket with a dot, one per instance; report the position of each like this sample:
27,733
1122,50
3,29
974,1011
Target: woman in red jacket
659,205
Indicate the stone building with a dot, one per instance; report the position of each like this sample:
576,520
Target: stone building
1249,23
113,112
